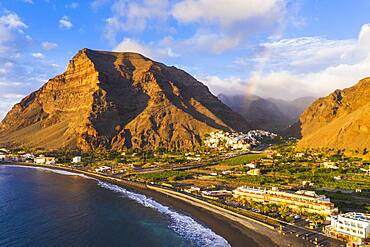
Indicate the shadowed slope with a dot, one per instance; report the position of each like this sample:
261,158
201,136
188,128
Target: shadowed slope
117,100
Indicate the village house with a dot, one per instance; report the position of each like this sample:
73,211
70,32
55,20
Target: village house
102,169
76,159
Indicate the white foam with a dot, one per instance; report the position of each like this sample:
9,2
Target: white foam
61,172
183,225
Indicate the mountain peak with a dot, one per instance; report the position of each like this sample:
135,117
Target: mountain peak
117,100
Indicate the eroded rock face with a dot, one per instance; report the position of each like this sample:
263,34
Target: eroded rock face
117,100
340,120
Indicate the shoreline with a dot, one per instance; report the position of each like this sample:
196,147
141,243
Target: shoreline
236,229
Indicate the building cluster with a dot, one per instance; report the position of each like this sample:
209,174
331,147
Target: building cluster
352,227
7,156
299,201
221,140
237,141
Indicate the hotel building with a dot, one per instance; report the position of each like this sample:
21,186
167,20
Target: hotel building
300,201
352,227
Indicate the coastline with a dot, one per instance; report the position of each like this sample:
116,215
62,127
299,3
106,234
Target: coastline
237,230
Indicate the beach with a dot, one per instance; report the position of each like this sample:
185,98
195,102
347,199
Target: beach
236,229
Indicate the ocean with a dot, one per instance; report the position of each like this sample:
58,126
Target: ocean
43,208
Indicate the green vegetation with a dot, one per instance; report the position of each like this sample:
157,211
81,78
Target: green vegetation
243,159
170,176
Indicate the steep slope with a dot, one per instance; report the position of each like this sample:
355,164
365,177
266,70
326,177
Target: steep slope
117,100
340,120
260,113
270,114
293,108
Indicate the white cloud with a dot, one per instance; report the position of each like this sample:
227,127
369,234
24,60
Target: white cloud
49,45
12,21
129,45
305,66
230,85
224,12
149,50
315,66
311,53
38,55
65,23
28,1
134,16
7,101
20,71
216,43
6,68
220,21
11,33
98,3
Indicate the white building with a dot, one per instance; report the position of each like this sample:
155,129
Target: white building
221,139
299,201
102,169
251,165
217,193
42,160
237,140
353,227
330,165
76,159
254,172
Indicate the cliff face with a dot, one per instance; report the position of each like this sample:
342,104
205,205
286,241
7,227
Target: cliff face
340,120
117,100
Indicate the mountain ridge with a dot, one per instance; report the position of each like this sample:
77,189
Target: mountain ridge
340,120
117,100
270,114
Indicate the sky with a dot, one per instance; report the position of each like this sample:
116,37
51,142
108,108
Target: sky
272,48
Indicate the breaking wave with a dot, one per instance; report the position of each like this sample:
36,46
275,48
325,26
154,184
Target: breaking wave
183,225
61,172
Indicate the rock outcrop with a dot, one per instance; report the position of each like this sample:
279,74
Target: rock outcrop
117,100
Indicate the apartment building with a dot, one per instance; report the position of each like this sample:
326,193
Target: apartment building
299,201
352,227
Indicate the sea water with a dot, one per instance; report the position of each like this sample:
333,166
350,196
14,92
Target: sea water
44,207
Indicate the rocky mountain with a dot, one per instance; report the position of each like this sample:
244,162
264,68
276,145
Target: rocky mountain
117,100
340,120
293,108
274,115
